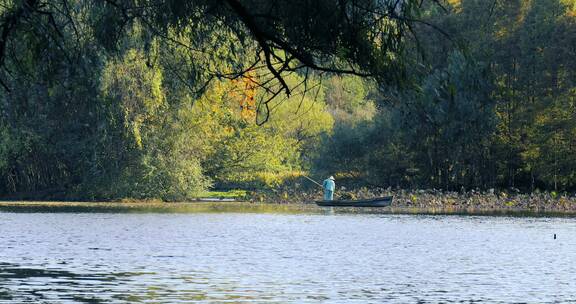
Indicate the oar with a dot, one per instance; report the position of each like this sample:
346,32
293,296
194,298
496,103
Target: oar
313,181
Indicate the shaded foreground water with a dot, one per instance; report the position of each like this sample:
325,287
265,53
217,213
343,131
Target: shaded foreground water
283,258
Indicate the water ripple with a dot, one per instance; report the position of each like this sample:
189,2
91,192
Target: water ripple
247,258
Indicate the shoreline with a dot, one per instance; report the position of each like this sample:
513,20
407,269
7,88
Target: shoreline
261,207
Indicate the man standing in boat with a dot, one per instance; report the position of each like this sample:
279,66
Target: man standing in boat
329,187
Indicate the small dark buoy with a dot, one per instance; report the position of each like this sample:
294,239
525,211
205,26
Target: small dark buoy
554,235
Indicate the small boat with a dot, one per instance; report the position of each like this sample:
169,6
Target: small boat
373,202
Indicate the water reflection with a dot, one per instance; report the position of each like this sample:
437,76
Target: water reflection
42,285
246,258
143,207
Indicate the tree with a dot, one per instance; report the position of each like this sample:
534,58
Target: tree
145,159
238,152
347,37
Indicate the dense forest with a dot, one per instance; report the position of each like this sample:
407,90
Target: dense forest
165,99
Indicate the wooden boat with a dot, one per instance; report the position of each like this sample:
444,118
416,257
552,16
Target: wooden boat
373,202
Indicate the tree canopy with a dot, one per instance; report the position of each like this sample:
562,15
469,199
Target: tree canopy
125,98
271,38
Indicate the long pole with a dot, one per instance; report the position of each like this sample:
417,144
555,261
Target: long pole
313,181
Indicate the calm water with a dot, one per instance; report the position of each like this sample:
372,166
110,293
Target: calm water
234,257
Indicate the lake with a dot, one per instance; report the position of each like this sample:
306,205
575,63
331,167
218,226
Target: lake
284,258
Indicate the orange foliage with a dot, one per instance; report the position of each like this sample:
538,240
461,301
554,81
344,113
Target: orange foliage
245,92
